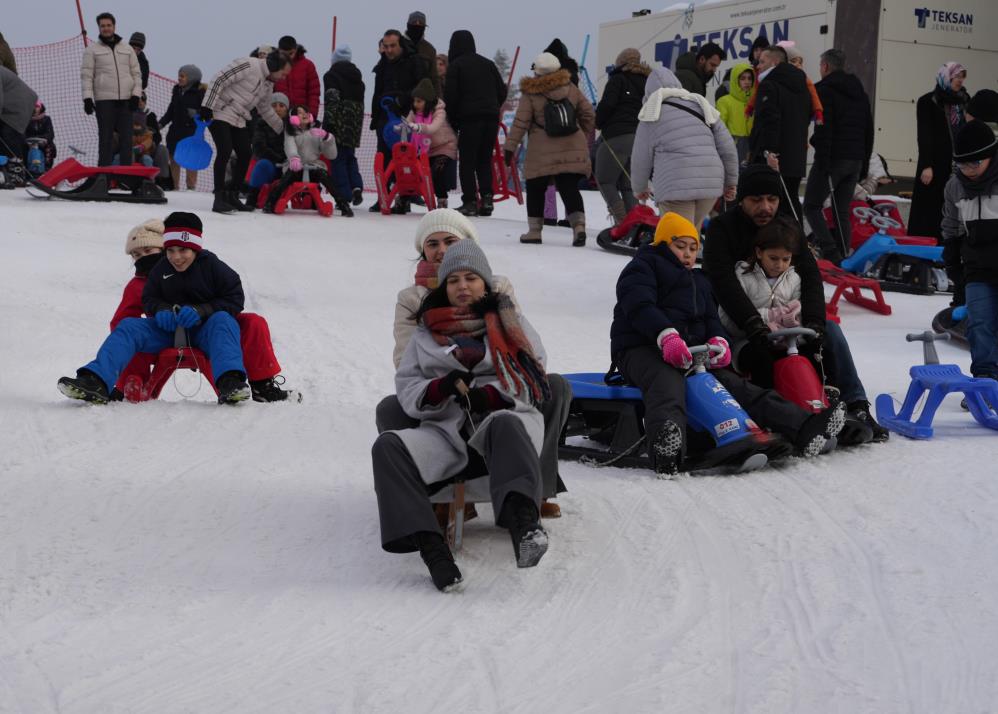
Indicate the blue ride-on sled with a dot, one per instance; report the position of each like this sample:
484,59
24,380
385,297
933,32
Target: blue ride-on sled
938,380
720,435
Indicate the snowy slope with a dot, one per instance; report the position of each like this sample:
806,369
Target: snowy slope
179,556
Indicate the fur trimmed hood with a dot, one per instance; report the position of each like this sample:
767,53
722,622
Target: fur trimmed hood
635,68
541,85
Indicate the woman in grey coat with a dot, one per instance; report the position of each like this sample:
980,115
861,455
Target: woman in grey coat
681,136
473,376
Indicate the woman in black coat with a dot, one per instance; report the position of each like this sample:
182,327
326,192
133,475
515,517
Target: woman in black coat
184,103
939,115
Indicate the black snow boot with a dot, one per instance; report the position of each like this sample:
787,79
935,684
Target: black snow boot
468,209
269,390
239,205
667,450
253,197
401,207
221,204
819,428
530,540
358,197
486,207
86,386
860,411
232,388
344,207
439,560
375,207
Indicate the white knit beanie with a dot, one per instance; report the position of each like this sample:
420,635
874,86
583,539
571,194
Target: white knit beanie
546,63
147,235
444,220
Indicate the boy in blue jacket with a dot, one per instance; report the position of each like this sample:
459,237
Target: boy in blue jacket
664,304
192,289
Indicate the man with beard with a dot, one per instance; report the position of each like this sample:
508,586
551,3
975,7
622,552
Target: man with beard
730,239
694,71
415,28
782,116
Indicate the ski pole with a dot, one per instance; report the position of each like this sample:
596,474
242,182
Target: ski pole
838,223
792,201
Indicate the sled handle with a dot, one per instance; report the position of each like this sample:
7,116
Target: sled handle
712,349
928,348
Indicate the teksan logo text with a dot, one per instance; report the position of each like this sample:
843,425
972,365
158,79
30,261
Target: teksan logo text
945,20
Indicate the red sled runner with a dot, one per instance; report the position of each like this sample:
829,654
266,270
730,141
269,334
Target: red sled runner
851,286
137,184
503,176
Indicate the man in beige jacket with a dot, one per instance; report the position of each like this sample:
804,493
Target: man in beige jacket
112,85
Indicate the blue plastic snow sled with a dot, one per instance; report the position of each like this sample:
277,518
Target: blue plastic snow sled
938,380
194,153
390,134
901,267
720,434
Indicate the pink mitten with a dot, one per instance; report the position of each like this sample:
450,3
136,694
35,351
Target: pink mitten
318,131
721,359
295,120
294,163
781,316
674,350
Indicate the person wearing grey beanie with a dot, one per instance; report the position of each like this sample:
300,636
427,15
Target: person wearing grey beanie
186,97
473,376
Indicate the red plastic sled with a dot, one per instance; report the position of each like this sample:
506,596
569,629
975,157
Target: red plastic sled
167,362
300,196
866,219
412,176
501,175
850,287
138,183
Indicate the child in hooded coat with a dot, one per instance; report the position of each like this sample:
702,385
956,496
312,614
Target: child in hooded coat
732,108
434,137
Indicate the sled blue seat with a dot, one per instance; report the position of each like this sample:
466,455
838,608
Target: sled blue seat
938,380
880,244
590,385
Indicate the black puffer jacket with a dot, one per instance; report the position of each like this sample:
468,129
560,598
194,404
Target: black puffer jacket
208,285
267,143
730,238
617,111
184,104
343,94
782,115
689,75
559,50
474,87
848,129
396,78
655,292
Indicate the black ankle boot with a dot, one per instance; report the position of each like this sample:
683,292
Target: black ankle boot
439,560
530,540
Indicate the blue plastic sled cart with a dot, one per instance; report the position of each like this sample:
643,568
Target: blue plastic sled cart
194,153
938,380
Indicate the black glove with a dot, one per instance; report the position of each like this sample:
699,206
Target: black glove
206,113
819,334
757,332
507,156
478,400
88,105
133,104
448,384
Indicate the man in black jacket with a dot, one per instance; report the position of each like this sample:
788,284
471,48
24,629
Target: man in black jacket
782,115
396,75
191,288
842,149
731,238
138,44
695,70
474,94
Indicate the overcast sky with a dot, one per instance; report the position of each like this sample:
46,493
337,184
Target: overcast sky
211,33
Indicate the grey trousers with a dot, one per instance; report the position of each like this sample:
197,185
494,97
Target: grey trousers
388,416
612,173
404,505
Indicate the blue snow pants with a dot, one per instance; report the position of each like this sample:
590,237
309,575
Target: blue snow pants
264,171
982,329
217,337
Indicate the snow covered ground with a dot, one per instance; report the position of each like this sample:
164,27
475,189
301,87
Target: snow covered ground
178,556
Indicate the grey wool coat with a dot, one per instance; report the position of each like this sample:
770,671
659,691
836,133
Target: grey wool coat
691,160
438,445
310,149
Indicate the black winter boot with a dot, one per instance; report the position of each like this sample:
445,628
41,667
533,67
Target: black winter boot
860,411
221,204
530,540
344,207
358,197
232,388
401,206
486,207
269,390
667,450
439,560
253,197
468,209
239,205
819,428
86,386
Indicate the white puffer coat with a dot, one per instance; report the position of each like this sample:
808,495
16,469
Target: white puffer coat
110,73
310,148
763,295
238,89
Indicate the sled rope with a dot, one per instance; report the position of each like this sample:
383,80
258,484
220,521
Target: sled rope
593,462
199,370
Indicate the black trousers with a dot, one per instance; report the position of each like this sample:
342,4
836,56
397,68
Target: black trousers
663,389
568,189
475,144
113,117
442,172
229,138
14,144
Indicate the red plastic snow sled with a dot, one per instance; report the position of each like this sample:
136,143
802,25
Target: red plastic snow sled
503,175
850,286
411,171
637,229
167,362
301,196
131,184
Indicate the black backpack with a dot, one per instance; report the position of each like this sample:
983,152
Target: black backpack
559,117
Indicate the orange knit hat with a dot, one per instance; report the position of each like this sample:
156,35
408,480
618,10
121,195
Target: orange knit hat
672,225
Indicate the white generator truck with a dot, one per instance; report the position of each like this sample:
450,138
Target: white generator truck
894,46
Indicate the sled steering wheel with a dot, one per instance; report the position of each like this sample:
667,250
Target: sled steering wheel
865,213
885,223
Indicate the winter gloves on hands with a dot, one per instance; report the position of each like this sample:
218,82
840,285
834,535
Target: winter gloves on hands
476,400
819,333
206,114
166,320
781,316
319,132
294,163
722,359
188,317
757,333
88,105
674,350
133,104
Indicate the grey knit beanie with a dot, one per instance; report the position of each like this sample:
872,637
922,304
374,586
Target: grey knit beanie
280,98
465,255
